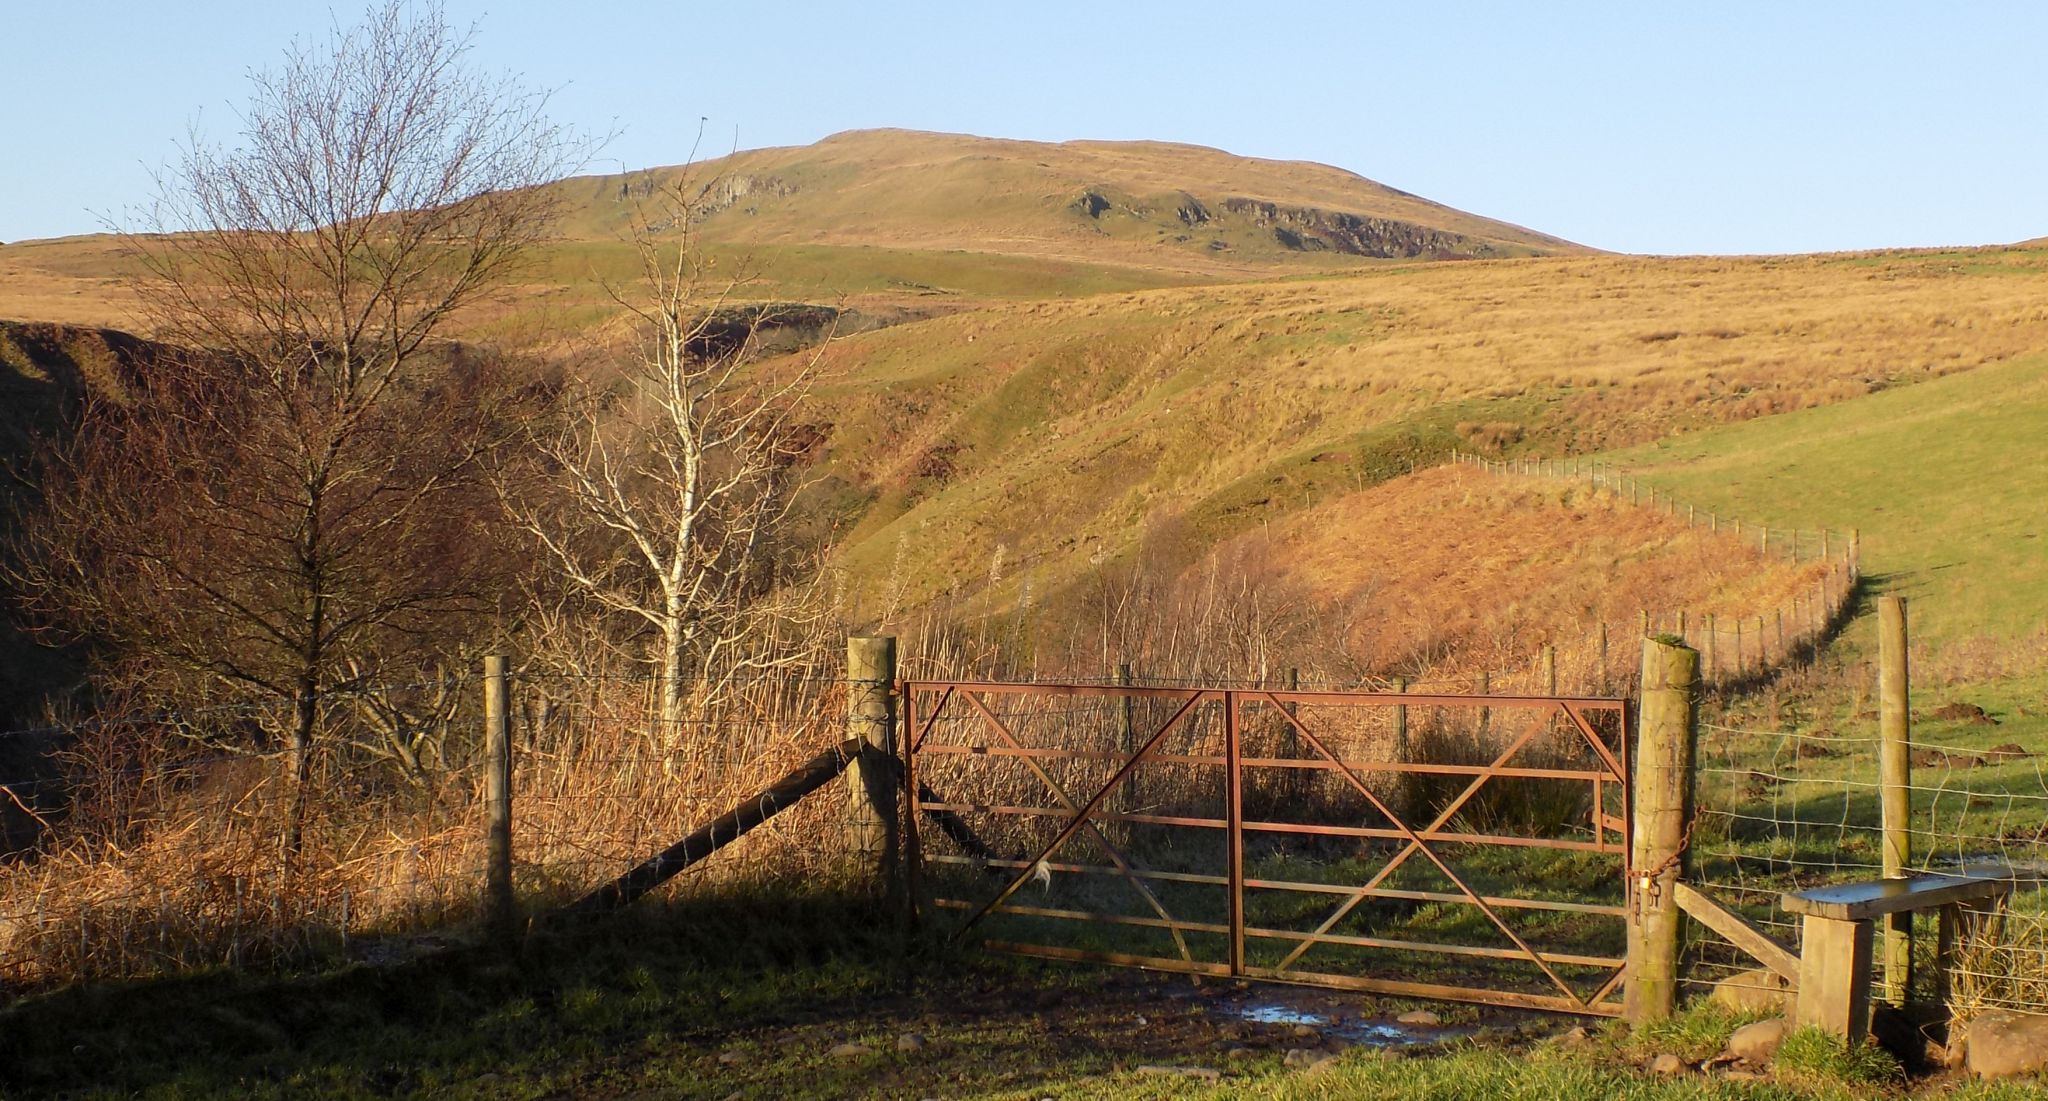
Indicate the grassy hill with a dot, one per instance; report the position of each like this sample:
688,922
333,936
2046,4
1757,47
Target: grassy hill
1012,450
1122,355
1945,480
897,220
1155,205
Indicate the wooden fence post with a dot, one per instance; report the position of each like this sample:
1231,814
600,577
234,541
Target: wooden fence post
1710,637
1894,765
1666,725
1546,669
1600,669
1296,779
1485,713
498,899
871,717
1403,779
1127,737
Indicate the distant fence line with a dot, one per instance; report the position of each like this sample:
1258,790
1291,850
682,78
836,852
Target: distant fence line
1734,651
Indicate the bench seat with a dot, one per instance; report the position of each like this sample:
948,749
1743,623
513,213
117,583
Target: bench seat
1836,933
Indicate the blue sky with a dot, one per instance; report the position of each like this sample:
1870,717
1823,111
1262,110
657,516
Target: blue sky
1641,127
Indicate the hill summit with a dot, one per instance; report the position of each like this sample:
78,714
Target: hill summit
1144,203
907,223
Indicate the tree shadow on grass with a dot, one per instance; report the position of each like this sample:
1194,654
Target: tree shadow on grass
697,968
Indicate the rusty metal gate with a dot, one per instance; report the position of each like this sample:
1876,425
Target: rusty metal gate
1444,846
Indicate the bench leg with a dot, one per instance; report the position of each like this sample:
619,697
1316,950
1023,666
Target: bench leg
1898,956
1834,976
1946,928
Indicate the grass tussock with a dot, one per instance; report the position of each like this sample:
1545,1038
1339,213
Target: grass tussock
1814,1057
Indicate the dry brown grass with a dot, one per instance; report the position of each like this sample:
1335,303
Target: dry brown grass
2006,967
169,860
1449,578
1077,430
1452,571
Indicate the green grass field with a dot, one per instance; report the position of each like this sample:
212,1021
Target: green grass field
1945,479
1944,482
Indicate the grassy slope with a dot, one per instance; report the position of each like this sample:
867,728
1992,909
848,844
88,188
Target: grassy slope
910,189
1045,436
1945,480
1454,569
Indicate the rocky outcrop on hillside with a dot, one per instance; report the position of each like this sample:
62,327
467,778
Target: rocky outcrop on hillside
1295,228
721,193
1308,229
729,191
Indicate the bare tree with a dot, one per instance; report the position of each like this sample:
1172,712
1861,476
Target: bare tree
287,510
666,492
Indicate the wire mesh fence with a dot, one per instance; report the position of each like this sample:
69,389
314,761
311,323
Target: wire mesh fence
1782,811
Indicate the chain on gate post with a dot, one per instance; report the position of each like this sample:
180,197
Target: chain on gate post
1667,725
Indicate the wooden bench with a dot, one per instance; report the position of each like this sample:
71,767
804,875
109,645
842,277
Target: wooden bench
1836,933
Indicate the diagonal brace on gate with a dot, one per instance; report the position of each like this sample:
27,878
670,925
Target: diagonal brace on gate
1116,857
1080,816
1417,844
916,742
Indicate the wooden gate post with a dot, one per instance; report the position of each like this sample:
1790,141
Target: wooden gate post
871,717
1546,666
1485,713
1894,766
1600,664
1666,725
1403,779
498,899
1127,738
1294,786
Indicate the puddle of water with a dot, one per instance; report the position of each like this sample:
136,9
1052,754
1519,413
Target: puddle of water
1271,1014
1367,1033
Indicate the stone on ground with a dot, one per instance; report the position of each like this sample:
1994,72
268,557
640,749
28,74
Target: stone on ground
1758,1043
1419,1017
2003,1044
1758,990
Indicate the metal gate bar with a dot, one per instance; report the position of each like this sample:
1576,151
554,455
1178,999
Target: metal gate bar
1569,715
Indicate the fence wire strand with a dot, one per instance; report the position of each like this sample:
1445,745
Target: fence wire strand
1781,811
